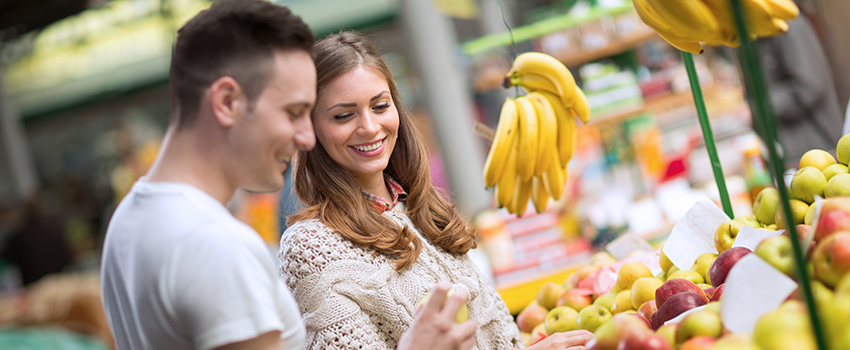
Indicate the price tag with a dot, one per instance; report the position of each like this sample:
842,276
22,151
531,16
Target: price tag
693,234
750,237
753,288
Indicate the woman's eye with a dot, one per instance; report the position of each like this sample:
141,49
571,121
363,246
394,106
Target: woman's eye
382,107
343,116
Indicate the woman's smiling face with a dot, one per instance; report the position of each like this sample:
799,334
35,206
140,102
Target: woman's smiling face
357,122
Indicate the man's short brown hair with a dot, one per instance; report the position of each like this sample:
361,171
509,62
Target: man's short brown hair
235,38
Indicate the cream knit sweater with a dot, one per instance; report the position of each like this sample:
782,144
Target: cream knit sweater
352,299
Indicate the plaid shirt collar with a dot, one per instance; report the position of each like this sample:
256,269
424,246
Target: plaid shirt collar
396,191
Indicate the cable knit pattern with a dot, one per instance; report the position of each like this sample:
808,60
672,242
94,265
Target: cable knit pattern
351,298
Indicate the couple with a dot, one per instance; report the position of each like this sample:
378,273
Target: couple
179,272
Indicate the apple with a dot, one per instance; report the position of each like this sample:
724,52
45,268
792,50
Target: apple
675,286
613,331
810,214
698,343
606,300
530,317
623,302
548,295
718,293
766,203
816,158
833,170
798,213
664,261
643,290
832,219
648,309
629,273
837,186
724,263
807,183
709,291
726,233
699,323
592,317
778,252
842,150
713,306
689,275
832,258
462,313
526,338
539,333
668,331
787,327
645,340
735,341
803,231
703,263
678,304
561,319
574,299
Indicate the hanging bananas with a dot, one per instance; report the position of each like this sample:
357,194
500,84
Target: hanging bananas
686,24
536,134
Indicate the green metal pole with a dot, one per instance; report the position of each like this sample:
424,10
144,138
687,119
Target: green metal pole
707,133
763,116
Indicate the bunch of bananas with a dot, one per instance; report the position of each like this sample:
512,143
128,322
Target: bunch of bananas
687,23
536,134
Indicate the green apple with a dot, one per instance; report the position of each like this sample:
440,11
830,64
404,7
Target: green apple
703,264
778,252
668,331
622,303
748,220
838,186
810,214
816,158
689,275
561,319
548,295
807,183
765,205
833,170
785,328
842,150
592,317
606,300
798,213
726,233
702,322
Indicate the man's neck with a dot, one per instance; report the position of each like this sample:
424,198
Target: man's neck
188,158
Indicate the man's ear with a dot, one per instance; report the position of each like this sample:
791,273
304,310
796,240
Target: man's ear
227,101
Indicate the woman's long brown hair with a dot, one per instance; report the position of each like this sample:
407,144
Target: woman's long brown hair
334,197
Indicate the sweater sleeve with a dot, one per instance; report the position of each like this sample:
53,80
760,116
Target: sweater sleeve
341,290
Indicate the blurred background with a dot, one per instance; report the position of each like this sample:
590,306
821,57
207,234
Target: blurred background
84,104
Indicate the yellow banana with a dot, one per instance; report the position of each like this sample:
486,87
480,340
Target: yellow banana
532,82
761,20
691,18
566,128
528,139
548,142
722,10
505,187
506,133
548,67
649,15
784,9
555,178
522,194
581,107
693,47
539,196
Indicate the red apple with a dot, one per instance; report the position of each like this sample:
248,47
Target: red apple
724,263
698,343
574,299
834,217
530,317
678,304
613,331
832,258
675,286
803,231
648,309
644,340
718,292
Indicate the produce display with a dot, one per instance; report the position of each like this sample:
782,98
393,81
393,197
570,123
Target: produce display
626,306
536,134
687,23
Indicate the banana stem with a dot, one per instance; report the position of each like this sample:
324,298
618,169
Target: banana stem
707,133
763,117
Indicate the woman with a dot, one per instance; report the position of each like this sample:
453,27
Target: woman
376,236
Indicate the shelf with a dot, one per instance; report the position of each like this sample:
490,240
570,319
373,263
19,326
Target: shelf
657,105
615,47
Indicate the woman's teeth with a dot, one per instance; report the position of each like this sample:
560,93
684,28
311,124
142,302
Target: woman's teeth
370,147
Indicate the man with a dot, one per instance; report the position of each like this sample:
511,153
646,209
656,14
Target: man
179,271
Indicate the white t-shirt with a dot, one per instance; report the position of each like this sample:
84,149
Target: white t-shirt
180,272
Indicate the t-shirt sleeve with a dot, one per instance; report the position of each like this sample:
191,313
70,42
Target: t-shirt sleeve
225,289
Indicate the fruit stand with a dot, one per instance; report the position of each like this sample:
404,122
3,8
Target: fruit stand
774,279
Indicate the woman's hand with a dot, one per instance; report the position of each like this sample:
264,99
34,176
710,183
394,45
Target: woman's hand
435,327
572,340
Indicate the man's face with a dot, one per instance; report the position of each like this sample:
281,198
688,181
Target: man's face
266,138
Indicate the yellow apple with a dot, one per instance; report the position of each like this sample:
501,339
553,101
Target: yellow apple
689,275
833,170
548,295
643,290
702,322
765,205
606,300
810,214
838,186
703,264
622,302
629,273
807,183
798,213
842,150
816,158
